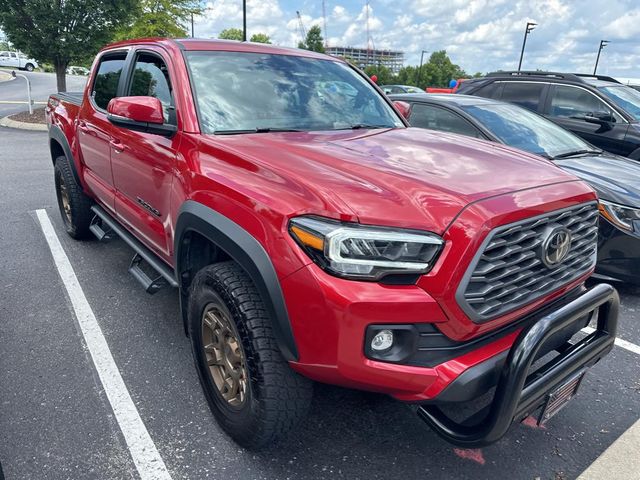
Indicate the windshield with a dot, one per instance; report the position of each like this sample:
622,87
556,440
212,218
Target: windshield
625,97
246,92
520,128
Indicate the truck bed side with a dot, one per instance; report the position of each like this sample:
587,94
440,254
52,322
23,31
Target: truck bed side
62,112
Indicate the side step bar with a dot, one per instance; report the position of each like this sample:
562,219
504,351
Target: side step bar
151,285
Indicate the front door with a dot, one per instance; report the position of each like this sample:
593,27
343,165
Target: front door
143,163
568,105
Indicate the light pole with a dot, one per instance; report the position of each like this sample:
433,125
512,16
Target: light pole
603,43
420,69
191,24
527,31
244,20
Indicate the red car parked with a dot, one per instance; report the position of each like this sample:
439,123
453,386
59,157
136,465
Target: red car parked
313,235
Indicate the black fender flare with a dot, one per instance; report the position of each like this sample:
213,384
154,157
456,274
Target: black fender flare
243,248
56,133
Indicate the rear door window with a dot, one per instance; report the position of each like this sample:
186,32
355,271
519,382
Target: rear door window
488,91
436,118
524,94
105,85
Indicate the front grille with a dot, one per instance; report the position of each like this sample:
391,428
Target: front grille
508,272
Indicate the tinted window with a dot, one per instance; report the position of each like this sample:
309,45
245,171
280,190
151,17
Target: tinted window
488,91
436,118
525,94
151,79
520,128
625,97
105,86
241,92
569,102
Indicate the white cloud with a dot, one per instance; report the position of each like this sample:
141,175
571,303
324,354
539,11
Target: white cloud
479,35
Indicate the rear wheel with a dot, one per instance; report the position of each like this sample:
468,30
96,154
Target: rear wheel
251,390
74,205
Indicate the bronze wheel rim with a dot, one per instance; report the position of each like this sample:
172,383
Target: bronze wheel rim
224,355
64,199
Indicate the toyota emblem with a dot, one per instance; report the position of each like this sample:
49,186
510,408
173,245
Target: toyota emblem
556,247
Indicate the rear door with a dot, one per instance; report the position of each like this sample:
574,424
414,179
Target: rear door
568,103
95,131
143,163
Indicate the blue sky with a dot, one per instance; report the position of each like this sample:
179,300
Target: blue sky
479,35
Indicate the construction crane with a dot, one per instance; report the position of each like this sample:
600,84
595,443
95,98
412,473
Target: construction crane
303,31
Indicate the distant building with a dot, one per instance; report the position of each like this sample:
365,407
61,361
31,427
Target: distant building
363,57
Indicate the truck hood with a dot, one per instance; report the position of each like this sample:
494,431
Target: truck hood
615,178
405,177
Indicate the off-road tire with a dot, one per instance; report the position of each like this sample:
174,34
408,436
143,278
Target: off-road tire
277,398
77,220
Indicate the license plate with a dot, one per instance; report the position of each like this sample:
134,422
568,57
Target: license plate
560,397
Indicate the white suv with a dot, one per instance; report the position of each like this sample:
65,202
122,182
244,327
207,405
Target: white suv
18,60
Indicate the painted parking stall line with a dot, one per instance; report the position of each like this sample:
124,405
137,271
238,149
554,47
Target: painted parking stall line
145,455
619,342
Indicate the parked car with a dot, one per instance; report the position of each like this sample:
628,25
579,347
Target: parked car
400,89
75,70
17,60
599,109
313,236
615,178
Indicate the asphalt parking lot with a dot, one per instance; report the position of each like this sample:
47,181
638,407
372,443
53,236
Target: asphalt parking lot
56,422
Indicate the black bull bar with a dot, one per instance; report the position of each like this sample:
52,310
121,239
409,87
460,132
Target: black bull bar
519,392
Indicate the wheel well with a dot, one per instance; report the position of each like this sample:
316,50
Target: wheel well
56,150
196,252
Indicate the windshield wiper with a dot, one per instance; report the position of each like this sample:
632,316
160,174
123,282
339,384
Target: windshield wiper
576,152
256,130
358,126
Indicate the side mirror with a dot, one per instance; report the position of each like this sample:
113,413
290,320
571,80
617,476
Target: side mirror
403,107
142,114
600,117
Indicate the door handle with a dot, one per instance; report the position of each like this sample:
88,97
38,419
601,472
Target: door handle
117,146
83,128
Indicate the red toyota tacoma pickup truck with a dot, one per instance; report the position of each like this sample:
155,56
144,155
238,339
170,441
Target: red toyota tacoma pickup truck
313,236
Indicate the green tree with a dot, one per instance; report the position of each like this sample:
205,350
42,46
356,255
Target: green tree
161,18
438,71
314,40
231,34
384,74
260,38
62,32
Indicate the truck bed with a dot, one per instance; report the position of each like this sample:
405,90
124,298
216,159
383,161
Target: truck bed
69,97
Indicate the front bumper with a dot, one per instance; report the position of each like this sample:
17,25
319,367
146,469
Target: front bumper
521,390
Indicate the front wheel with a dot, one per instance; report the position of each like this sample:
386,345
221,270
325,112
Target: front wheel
29,67
251,390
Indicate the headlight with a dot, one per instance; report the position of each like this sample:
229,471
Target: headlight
625,218
363,252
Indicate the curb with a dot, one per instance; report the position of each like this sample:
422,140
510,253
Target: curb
6,77
7,122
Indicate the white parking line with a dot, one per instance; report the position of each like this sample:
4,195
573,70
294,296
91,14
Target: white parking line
619,342
143,451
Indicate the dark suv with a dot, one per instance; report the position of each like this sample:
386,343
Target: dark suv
600,109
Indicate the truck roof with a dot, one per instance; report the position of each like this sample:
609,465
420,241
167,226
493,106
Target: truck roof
202,44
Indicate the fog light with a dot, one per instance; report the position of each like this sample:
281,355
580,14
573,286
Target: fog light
382,340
